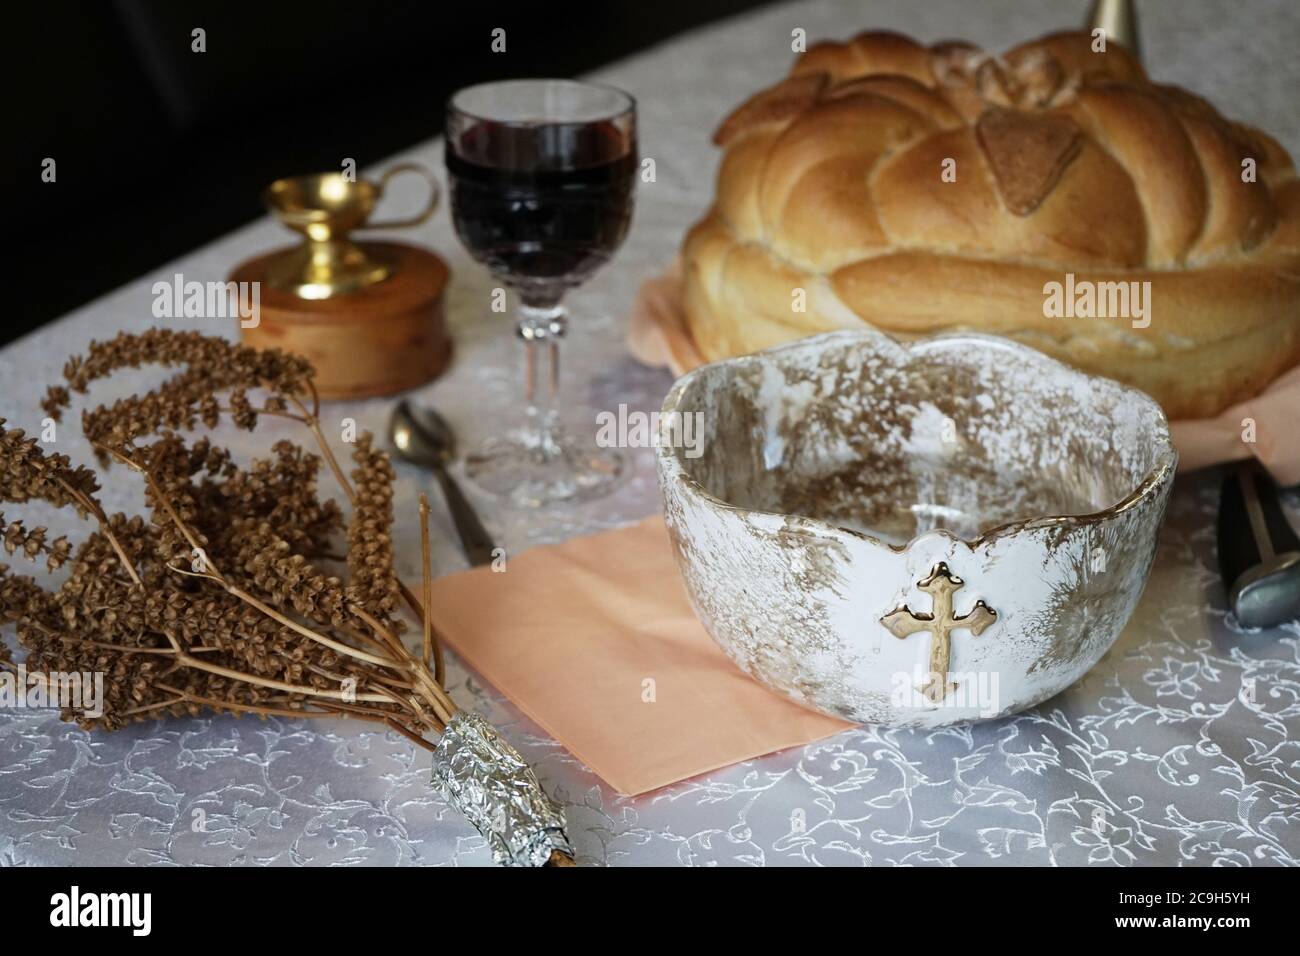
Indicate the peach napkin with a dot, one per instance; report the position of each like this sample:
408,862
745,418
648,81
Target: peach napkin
596,641
657,335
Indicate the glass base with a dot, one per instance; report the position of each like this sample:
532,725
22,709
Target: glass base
534,468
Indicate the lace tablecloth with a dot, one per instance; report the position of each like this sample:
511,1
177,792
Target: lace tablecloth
1180,747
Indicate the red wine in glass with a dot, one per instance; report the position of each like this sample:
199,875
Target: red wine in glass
541,177
542,208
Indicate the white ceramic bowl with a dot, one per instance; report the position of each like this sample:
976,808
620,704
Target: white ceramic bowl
912,535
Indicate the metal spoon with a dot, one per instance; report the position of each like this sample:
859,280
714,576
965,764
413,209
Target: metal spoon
423,437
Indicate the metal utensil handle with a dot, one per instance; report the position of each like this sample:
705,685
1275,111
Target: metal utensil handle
474,538
1258,549
435,193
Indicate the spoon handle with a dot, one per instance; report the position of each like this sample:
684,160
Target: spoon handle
474,538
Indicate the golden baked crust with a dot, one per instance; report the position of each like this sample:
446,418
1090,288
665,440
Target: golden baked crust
1066,161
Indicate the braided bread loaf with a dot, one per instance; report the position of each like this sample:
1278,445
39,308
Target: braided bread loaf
923,190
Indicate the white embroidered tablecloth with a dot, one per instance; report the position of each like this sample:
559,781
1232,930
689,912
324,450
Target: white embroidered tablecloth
1182,746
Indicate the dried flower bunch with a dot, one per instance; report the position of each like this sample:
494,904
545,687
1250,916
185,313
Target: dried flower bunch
218,598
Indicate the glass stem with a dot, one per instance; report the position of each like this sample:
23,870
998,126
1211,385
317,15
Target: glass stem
540,329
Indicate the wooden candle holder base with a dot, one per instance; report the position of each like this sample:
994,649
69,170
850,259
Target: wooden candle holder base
382,339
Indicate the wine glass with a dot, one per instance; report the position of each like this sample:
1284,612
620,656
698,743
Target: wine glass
541,176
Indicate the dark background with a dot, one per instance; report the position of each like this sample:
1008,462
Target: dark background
160,149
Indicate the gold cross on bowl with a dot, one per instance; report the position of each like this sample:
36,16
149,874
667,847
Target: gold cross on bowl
940,622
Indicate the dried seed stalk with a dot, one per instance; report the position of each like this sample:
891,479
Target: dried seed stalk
215,600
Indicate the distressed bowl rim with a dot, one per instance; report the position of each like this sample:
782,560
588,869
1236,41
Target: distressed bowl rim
1166,457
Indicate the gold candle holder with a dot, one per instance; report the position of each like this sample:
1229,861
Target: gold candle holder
368,315
1118,18
324,208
